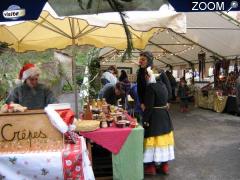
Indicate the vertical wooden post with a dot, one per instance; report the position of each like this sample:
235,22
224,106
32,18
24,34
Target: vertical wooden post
74,68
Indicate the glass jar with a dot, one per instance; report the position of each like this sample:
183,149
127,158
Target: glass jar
99,104
94,104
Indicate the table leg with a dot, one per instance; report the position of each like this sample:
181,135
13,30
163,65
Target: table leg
89,148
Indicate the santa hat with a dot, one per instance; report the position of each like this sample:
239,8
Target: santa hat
60,115
28,70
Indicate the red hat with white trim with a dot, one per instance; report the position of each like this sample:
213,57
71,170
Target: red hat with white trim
28,70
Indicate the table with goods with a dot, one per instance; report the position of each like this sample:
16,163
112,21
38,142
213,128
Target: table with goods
114,129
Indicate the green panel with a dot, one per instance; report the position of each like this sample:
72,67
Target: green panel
128,163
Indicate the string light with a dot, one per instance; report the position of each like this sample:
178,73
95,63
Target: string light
176,39
164,53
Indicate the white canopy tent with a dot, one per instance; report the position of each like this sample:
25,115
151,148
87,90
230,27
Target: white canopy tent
215,33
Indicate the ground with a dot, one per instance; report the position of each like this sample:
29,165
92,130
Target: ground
207,146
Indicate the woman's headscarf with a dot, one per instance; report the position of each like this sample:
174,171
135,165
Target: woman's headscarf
149,57
152,78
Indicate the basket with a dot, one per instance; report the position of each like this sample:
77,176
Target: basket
87,125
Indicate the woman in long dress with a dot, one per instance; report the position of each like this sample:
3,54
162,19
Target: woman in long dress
158,137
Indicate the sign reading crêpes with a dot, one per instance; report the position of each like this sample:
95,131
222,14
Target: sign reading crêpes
28,131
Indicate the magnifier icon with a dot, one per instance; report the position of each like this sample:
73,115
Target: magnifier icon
234,4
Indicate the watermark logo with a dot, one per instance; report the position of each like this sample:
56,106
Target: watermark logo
234,5
14,12
205,5
213,6
208,6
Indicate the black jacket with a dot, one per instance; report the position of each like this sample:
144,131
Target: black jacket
108,92
158,119
164,79
183,91
141,84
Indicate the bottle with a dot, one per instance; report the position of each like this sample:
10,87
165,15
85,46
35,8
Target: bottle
94,104
99,104
104,102
88,113
104,124
105,107
91,103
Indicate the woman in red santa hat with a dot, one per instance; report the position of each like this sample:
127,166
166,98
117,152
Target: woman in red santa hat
30,93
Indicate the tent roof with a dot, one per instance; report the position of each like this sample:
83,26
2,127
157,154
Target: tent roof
222,36
215,33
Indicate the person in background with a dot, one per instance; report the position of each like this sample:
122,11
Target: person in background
158,134
138,113
183,93
112,93
124,79
30,93
173,84
145,60
127,85
192,90
123,76
238,94
110,76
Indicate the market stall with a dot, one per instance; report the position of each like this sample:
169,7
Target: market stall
216,101
120,135
204,99
32,148
126,146
70,162
220,95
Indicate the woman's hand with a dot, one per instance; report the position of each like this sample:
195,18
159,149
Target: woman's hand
143,107
168,106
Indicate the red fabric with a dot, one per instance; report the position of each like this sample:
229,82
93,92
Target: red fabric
72,161
129,118
24,68
67,115
110,138
133,122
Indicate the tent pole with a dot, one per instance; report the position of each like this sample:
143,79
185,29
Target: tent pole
74,70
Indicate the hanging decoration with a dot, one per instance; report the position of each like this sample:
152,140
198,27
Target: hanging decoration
201,63
236,72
